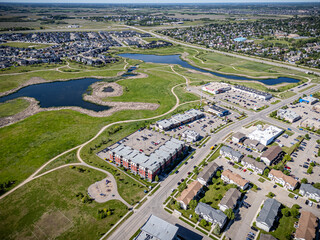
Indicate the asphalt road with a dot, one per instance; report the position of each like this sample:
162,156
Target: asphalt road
155,202
278,64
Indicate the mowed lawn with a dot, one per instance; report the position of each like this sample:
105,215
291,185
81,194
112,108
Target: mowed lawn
48,208
13,107
215,192
28,144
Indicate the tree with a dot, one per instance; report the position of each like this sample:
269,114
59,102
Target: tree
266,172
203,222
285,212
178,206
310,170
294,212
193,204
156,178
307,136
230,214
316,185
287,158
182,186
218,174
296,206
217,229
304,180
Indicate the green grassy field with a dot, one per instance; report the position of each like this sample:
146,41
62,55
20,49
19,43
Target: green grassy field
68,158
42,209
184,95
13,107
215,192
287,94
156,88
28,144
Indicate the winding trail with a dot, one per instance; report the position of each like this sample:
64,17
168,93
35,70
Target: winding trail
80,147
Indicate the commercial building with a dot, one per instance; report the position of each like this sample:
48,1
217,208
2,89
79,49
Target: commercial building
179,119
308,99
307,225
230,153
288,115
273,155
230,200
189,193
238,137
219,111
251,163
234,178
265,136
147,166
210,214
310,123
253,92
310,191
286,181
157,229
216,87
208,172
191,135
268,214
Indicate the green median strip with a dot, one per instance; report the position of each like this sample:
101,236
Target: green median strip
181,218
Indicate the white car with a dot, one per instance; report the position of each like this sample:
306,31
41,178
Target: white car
310,203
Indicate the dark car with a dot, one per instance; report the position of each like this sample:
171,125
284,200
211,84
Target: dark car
254,229
274,186
307,202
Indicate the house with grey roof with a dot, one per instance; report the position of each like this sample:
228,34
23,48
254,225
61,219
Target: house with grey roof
310,191
157,229
268,214
230,200
238,137
210,214
207,173
228,152
254,165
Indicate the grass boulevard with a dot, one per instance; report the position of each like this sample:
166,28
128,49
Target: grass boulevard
67,138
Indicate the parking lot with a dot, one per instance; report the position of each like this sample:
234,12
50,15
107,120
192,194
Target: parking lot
241,227
302,158
243,100
305,111
288,139
204,126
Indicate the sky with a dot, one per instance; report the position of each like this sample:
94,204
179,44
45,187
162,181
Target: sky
157,1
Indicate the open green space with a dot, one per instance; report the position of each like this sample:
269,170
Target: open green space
286,94
13,107
156,88
67,158
42,209
184,95
215,192
285,226
28,144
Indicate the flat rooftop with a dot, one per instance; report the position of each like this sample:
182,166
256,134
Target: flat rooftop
146,140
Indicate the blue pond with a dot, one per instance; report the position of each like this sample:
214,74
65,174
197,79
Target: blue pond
175,59
59,94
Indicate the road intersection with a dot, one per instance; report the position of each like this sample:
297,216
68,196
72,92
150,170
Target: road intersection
154,205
